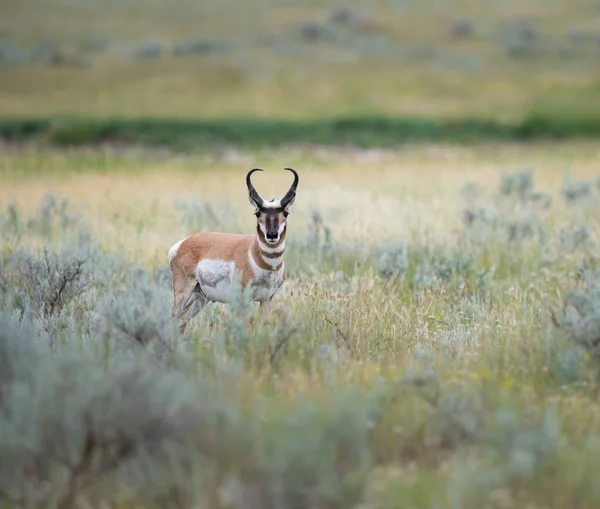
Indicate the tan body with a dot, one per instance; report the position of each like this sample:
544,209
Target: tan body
204,265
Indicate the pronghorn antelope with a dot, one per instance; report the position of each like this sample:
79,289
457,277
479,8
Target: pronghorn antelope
203,265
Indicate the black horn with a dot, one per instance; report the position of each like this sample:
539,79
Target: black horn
291,194
253,194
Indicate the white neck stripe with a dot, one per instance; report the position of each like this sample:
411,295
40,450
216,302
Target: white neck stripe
257,270
272,262
270,250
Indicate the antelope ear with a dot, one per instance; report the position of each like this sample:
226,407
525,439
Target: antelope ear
289,203
254,202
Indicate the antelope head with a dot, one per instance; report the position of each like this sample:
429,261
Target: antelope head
271,216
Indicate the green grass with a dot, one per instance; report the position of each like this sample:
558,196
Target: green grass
251,133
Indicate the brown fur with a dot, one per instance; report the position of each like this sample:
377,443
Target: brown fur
216,246
188,297
222,246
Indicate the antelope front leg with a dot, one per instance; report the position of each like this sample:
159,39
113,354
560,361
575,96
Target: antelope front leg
265,307
264,313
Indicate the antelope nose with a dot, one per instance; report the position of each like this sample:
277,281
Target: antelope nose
271,236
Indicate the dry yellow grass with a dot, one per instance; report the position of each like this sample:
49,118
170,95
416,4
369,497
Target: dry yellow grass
365,196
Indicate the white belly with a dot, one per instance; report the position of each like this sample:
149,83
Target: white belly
215,278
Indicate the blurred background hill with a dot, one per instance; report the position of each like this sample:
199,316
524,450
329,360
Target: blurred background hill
531,64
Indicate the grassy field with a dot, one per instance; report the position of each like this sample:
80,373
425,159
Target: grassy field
436,345
299,60
421,355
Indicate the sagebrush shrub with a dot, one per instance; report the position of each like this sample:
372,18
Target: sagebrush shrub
138,311
391,260
10,55
151,50
577,192
423,266
198,215
200,45
581,320
44,284
53,216
67,427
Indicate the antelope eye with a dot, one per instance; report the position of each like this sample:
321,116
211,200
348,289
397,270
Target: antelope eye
257,213
286,214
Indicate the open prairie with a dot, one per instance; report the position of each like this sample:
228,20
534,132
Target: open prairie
436,344
411,359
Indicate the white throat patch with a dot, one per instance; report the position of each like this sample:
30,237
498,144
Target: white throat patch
272,262
270,250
